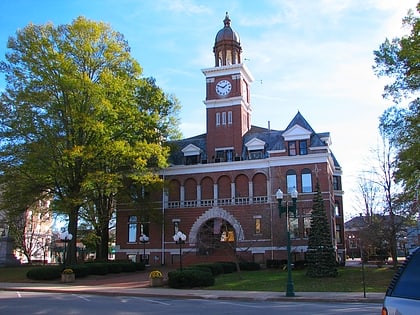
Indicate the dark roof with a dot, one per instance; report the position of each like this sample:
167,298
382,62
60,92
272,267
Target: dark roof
177,157
273,140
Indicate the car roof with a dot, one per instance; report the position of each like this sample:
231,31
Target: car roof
394,289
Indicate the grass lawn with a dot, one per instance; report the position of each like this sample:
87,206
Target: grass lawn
14,274
349,280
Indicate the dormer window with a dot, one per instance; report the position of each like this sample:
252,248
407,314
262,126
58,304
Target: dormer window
303,147
292,148
191,160
191,154
255,154
224,155
255,149
297,140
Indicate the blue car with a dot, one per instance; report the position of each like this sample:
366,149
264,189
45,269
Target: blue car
403,294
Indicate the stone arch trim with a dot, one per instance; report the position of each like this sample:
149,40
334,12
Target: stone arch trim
212,213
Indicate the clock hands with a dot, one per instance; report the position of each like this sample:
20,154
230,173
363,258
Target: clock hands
223,87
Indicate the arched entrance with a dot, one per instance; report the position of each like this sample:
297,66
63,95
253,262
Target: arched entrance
216,232
216,237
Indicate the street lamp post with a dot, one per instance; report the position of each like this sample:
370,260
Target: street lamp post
351,245
363,267
144,239
279,196
180,238
65,237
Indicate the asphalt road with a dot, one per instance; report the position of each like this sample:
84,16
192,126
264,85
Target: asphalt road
27,303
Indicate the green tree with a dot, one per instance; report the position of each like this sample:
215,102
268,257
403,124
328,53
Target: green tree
75,121
320,255
399,60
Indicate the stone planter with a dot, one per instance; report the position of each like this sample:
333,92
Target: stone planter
67,277
156,282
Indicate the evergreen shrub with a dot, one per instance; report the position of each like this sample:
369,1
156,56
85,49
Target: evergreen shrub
190,278
44,273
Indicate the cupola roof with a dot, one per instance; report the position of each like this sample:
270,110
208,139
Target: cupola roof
227,33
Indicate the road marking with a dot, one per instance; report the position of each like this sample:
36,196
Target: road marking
154,301
81,297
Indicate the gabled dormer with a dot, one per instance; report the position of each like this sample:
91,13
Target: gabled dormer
255,149
297,136
192,154
297,132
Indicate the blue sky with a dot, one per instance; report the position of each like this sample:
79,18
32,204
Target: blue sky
314,56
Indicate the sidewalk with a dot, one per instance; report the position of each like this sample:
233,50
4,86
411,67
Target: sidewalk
138,285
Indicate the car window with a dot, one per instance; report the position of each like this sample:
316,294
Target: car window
407,286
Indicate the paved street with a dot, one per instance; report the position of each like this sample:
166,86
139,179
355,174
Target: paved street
27,303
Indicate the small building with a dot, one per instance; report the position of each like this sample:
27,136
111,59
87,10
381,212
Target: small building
221,186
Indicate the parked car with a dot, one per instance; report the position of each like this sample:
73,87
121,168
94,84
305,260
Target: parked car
403,294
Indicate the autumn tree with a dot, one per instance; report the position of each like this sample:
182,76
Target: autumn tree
321,254
76,119
398,59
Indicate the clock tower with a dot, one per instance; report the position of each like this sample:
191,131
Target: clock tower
227,101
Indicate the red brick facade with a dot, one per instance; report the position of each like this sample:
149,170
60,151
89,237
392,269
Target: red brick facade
220,190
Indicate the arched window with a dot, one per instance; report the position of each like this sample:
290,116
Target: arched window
306,180
291,180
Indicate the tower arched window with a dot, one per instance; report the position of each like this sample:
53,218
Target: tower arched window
229,118
217,119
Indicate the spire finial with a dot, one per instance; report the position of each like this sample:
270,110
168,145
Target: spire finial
227,20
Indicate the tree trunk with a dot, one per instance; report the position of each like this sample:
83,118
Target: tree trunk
72,229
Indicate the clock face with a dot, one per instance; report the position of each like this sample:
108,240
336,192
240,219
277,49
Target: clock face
223,87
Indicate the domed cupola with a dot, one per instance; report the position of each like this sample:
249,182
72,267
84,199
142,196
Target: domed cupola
227,47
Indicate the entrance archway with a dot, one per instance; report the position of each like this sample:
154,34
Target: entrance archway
202,234
216,237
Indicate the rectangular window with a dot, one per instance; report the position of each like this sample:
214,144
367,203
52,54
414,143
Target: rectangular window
306,225
337,210
338,234
294,227
257,225
255,154
230,118
292,148
303,150
132,229
217,119
336,183
191,159
352,241
224,118
176,226
224,155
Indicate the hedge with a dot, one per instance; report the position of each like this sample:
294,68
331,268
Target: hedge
190,278
44,273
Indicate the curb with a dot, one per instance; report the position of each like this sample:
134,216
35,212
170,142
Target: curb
206,295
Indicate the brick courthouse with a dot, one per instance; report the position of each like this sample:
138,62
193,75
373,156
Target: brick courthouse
221,186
